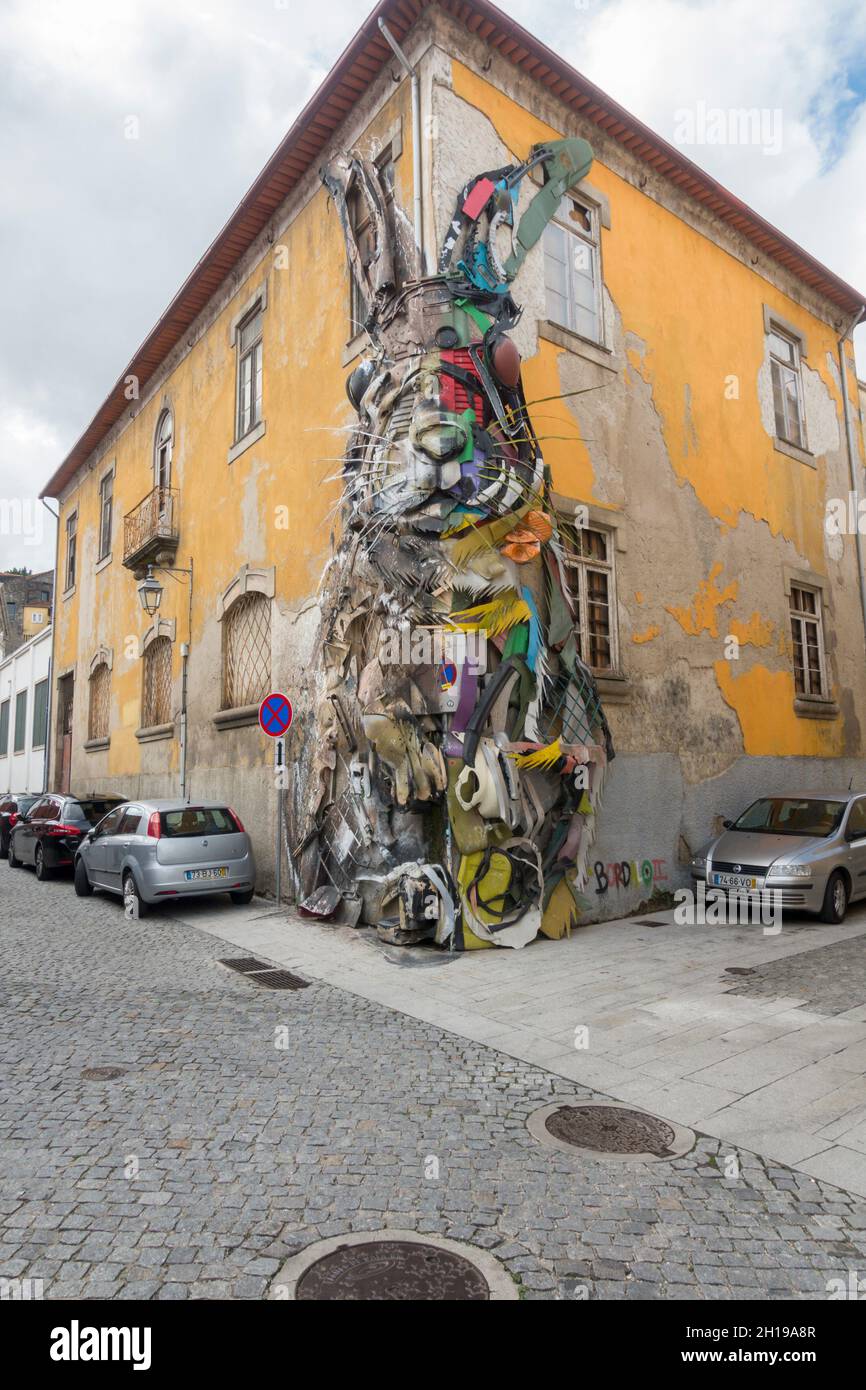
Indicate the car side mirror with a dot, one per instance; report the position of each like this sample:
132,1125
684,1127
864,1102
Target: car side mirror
726,824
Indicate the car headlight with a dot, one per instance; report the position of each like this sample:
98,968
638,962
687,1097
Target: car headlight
781,870
699,861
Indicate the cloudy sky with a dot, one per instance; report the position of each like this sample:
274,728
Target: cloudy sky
98,230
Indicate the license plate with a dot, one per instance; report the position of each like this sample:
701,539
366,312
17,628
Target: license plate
206,873
734,881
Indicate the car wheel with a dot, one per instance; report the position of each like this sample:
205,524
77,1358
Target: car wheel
42,870
242,896
83,886
133,904
835,903
14,861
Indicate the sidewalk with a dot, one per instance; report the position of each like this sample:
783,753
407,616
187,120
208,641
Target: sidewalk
666,1026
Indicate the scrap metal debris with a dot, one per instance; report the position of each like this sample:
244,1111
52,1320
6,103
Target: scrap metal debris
461,743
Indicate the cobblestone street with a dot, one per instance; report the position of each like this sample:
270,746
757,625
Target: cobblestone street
217,1153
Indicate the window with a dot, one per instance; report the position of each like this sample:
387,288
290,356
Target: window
362,226
20,722
4,729
198,820
856,827
99,712
572,277
37,616
808,639
247,651
156,683
106,502
111,823
130,823
71,548
588,556
40,714
787,387
162,450
249,340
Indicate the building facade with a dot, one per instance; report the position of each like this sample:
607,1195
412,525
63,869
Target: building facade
25,608
692,382
24,696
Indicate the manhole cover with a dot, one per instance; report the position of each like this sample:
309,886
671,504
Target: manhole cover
393,1266
102,1073
609,1130
392,1270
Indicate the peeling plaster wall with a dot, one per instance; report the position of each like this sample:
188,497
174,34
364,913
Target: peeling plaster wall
676,447
708,514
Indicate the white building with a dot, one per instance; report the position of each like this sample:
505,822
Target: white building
24,687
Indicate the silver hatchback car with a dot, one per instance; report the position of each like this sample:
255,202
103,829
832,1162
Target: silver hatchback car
153,851
808,850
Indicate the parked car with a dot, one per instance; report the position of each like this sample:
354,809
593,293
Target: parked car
150,851
48,835
13,805
809,849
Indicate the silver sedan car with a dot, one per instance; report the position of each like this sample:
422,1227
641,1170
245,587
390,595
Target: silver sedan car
808,850
153,851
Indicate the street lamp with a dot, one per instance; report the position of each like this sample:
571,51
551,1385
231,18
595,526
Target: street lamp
150,592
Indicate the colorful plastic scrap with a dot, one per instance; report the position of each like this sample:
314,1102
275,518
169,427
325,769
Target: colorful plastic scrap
457,797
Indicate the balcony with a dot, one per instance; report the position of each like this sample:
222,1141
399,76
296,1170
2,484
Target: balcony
150,530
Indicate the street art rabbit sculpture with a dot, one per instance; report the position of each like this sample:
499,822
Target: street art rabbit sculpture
461,744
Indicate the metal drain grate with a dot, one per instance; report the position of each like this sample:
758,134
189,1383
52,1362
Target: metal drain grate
612,1131
392,1270
637,922
102,1073
267,975
739,970
279,979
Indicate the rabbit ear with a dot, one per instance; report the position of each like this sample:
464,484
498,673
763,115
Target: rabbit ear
370,253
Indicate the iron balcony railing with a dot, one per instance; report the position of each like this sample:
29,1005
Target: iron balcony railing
152,525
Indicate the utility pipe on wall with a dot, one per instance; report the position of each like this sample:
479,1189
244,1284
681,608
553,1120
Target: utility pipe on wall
853,456
416,141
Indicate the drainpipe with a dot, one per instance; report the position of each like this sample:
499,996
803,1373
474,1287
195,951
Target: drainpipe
49,742
184,667
853,458
416,140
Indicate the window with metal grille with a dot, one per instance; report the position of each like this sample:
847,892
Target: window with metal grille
40,715
20,722
156,683
249,389
246,651
99,710
572,269
808,639
787,387
362,225
588,557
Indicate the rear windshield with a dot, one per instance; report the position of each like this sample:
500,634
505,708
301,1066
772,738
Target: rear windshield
198,820
90,811
780,815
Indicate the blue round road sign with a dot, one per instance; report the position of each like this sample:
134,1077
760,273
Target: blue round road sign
275,714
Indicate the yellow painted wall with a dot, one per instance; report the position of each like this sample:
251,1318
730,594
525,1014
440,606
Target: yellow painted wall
698,312
228,512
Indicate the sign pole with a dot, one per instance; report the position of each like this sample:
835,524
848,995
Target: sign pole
275,718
